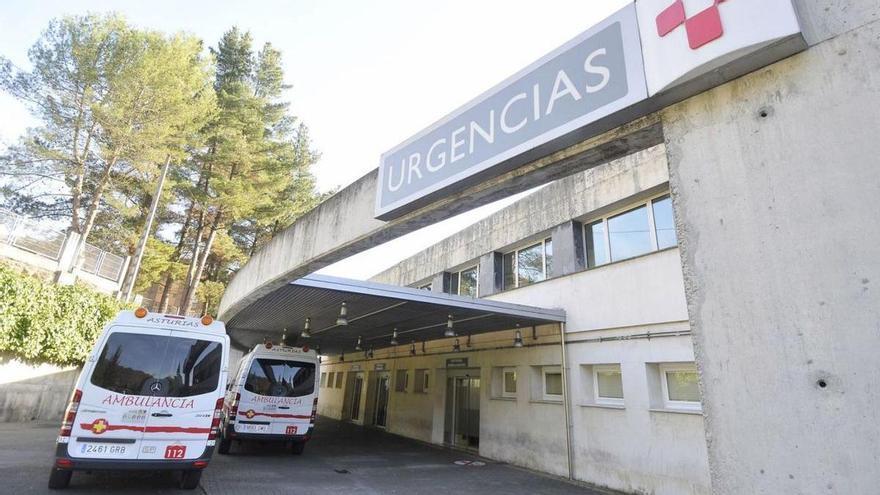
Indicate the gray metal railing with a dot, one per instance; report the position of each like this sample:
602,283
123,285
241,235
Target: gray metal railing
27,234
101,263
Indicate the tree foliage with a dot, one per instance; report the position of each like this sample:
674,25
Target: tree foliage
50,323
114,101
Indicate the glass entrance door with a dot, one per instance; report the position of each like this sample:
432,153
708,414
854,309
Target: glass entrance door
356,397
381,409
462,428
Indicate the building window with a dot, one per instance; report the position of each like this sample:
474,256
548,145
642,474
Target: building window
642,229
422,381
331,379
629,234
508,382
324,379
401,381
596,243
607,384
339,379
681,386
552,383
464,283
527,265
664,224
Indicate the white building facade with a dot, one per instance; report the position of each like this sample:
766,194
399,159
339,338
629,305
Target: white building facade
602,246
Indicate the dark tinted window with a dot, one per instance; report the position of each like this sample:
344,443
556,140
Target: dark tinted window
278,378
155,365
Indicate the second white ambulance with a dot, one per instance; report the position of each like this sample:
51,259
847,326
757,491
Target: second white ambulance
273,396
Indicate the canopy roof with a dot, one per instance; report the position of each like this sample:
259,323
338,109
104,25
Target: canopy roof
374,311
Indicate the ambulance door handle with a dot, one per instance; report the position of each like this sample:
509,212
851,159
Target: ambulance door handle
162,415
283,407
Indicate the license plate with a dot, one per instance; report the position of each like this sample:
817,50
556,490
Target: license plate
175,451
102,449
252,428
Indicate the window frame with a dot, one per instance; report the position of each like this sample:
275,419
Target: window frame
610,401
457,288
504,393
515,252
401,387
424,386
664,387
551,370
323,379
648,204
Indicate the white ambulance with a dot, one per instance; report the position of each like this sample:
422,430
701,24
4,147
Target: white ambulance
273,396
149,397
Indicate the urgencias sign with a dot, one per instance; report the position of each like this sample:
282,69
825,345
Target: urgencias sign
633,62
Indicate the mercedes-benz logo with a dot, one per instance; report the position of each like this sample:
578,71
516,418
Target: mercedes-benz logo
156,387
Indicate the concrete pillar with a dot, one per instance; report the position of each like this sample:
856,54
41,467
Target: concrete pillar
489,274
65,260
568,249
775,186
440,283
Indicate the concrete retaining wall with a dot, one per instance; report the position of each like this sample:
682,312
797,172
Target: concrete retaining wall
34,392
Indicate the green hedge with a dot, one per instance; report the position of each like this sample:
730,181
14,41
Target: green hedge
48,323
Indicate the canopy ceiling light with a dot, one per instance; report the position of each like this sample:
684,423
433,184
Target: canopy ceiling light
284,337
343,315
307,329
394,337
517,339
358,346
450,332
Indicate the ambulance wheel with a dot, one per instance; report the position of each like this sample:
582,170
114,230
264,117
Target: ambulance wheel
59,478
189,480
296,448
224,445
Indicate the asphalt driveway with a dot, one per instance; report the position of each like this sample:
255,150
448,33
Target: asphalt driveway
341,458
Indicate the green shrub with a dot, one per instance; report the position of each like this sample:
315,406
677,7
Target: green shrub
48,323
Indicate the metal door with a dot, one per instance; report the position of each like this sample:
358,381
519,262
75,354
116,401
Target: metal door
462,428
356,396
381,411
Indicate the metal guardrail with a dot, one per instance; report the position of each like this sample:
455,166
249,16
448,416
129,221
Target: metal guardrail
27,234
101,263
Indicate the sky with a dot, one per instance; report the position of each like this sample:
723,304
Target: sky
365,75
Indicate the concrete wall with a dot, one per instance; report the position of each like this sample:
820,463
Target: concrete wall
34,392
775,186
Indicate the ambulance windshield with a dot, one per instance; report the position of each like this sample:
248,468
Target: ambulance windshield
280,378
158,365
